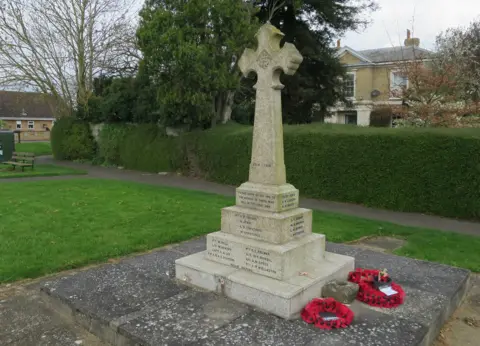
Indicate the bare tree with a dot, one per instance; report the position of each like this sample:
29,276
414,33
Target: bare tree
58,47
461,48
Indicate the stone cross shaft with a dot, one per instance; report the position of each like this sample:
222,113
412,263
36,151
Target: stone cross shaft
268,62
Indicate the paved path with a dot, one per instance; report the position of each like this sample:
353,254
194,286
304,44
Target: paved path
407,219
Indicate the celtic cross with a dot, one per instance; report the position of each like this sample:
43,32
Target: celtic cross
268,62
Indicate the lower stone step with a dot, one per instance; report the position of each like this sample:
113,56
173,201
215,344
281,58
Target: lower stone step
282,298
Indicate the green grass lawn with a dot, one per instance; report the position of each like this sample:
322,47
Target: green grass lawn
53,225
39,171
38,148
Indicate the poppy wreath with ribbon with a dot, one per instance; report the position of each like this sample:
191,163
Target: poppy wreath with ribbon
370,294
311,313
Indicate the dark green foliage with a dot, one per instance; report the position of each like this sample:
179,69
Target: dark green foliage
435,171
110,138
122,100
426,171
381,117
142,147
72,140
311,25
188,48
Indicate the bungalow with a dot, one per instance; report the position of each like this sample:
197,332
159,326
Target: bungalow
30,114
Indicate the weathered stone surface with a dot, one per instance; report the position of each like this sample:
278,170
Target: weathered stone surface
174,318
273,198
342,291
426,276
276,228
182,319
282,298
112,291
277,261
26,321
267,165
369,328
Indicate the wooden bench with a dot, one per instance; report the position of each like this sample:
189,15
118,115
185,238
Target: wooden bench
22,160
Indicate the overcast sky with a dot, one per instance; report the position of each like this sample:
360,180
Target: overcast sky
427,17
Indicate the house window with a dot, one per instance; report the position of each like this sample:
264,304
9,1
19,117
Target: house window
398,83
351,118
31,125
19,124
349,85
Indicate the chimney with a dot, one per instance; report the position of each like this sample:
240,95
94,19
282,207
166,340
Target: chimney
411,41
339,44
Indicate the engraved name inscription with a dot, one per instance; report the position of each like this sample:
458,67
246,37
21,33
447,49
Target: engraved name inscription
258,260
297,226
256,199
245,224
221,249
289,200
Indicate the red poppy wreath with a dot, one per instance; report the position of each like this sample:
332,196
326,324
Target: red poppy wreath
377,288
327,314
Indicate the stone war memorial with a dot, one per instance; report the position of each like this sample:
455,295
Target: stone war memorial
265,254
247,283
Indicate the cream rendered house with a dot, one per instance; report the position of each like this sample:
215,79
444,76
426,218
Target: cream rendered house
373,77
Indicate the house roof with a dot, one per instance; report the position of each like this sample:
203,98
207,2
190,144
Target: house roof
394,54
25,105
385,55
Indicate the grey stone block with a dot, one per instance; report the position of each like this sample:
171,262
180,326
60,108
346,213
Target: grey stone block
342,291
187,317
369,328
111,291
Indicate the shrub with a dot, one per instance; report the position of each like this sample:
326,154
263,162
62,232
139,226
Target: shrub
414,170
72,140
110,138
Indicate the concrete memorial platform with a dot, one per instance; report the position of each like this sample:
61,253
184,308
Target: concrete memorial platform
139,302
265,254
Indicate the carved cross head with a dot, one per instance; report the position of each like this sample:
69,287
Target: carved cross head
269,59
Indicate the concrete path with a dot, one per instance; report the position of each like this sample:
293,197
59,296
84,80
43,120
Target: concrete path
172,180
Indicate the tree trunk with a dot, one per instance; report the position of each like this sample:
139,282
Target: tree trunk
226,114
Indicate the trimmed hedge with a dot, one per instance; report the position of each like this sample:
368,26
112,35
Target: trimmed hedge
72,140
141,147
435,171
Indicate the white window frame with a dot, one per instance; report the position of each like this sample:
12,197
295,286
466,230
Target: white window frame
32,124
354,73
392,89
19,125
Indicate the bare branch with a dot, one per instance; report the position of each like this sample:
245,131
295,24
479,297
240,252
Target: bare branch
60,46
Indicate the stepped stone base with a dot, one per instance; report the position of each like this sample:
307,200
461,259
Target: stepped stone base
284,298
272,260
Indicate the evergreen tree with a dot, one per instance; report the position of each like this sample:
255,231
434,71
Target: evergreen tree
312,25
190,49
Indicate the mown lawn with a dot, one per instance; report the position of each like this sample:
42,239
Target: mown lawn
38,148
53,225
6,171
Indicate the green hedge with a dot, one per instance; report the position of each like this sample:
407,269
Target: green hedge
141,147
72,140
435,171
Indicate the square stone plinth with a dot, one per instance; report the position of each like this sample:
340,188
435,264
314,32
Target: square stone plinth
272,260
276,228
274,198
284,298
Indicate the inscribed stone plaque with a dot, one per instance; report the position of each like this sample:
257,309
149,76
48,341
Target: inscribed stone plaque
277,228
